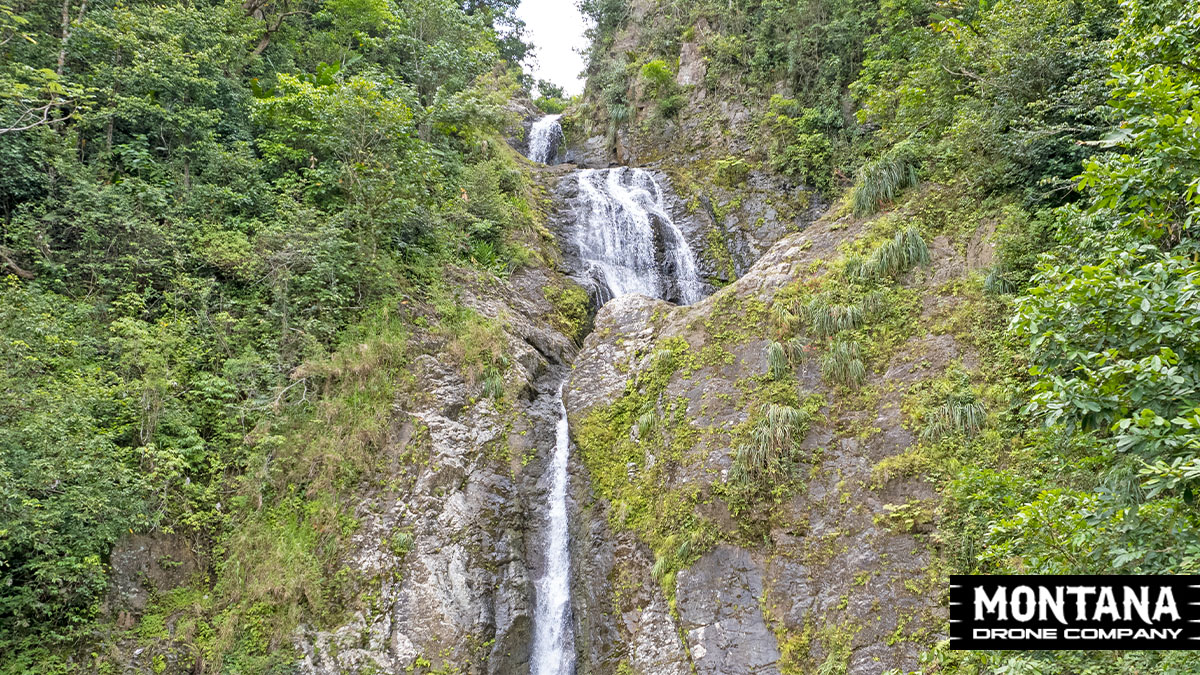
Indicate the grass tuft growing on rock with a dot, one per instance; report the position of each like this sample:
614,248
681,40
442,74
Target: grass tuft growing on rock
646,422
768,455
842,364
881,181
958,416
896,256
493,383
767,450
827,320
777,361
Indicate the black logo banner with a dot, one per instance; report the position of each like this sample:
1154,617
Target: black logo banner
1074,612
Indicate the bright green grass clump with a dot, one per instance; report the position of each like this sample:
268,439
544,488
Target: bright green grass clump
894,257
842,364
882,180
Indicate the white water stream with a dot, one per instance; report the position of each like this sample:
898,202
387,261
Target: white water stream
553,643
544,138
629,244
622,221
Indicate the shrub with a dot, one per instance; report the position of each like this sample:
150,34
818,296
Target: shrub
799,146
550,106
658,75
670,106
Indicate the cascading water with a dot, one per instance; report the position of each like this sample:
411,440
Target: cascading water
629,244
622,218
544,138
553,648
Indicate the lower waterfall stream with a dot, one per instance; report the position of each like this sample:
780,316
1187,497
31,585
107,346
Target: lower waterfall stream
553,642
627,243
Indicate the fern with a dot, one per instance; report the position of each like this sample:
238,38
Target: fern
882,180
842,364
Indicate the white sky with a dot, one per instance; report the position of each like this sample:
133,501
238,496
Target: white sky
555,27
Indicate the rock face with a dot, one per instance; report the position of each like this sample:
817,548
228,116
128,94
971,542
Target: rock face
692,68
451,546
144,564
825,576
718,608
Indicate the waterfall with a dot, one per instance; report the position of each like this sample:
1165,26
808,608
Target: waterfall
622,220
544,138
553,643
629,243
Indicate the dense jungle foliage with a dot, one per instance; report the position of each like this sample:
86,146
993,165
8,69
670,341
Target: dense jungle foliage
197,199
1073,126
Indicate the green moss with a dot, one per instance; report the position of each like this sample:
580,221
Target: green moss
572,309
730,172
632,449
716,249
734,319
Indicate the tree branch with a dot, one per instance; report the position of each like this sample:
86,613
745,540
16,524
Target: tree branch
45,119
962,73
257,9
17,269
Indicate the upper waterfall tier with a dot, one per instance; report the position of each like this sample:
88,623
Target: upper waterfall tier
545,135
627,240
